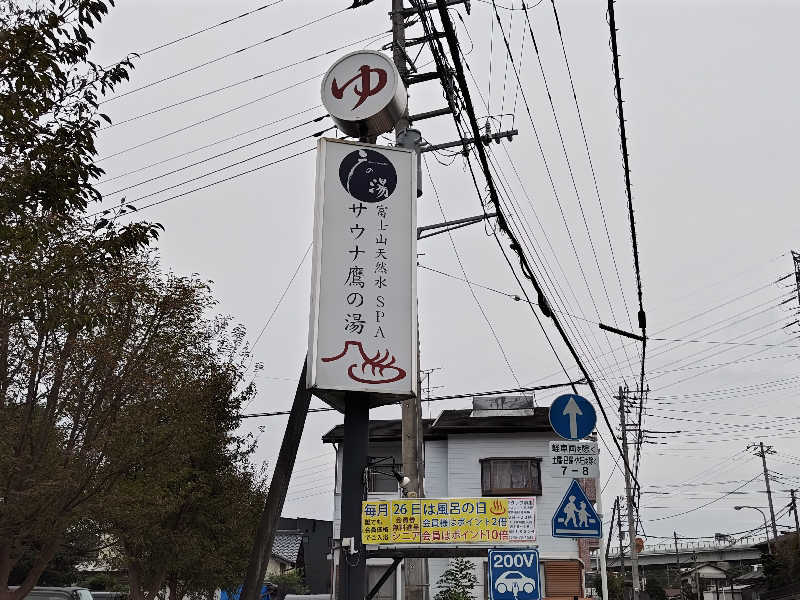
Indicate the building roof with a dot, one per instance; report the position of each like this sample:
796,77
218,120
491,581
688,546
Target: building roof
452,422
286,546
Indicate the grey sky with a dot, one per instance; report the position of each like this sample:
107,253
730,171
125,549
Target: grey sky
712,124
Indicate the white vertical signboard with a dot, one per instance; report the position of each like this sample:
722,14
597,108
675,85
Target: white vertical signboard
363,331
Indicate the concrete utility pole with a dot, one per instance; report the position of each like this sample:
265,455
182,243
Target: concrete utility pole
629,499
621,535
414,569
762,451
678,562
796,521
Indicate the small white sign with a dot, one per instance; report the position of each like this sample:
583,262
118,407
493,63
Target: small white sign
522,519
574,459
363,331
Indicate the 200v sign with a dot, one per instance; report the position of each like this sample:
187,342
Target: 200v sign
518,559
514,575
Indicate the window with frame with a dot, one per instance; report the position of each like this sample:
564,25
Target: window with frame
511,476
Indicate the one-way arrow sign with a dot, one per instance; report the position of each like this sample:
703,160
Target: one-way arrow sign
573,417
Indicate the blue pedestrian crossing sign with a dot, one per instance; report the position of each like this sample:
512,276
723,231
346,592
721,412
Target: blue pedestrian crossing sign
514,575
573,417
576,517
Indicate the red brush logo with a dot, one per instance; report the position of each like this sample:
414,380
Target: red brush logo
381,368
365,91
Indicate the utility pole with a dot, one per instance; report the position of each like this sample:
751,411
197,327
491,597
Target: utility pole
413,443
621,535
629,498
796,521
678,562
762,451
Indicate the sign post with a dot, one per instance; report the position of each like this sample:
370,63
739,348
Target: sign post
362,349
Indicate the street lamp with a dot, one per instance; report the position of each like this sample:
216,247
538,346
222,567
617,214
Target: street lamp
766,529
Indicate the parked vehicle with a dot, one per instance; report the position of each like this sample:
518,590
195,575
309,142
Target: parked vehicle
58,593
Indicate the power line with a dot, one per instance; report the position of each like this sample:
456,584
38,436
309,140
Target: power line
209,28
211,117
464,90
210,144
240,82
696,508
213,183
469,286
237,163
219,58
214,156
517,390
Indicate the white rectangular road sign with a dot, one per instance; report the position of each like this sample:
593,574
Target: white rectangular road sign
363,330
573,460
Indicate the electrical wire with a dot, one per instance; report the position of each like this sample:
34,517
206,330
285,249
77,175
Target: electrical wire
240,82
219,58
211,117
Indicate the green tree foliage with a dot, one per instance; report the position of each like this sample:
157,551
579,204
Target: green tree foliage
458,581
783,567
655,589
187,519
290,582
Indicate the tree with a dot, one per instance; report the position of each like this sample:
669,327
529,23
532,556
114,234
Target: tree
458,581
73,289
655,589
197,507
290,582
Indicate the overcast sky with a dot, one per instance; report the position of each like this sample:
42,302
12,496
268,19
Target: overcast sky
711,109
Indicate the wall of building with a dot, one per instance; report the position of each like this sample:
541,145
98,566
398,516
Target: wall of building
316,547
457,462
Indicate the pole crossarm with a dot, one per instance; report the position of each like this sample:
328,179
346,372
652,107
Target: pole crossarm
485,139
444,227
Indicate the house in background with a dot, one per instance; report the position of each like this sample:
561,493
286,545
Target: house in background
287,552
495,449
317,536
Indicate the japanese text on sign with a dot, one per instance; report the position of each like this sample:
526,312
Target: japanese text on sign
363,321
574,459
449,521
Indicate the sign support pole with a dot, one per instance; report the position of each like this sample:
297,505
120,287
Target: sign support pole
265,534
352,560
600,550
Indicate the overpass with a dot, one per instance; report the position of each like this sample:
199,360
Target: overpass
689,554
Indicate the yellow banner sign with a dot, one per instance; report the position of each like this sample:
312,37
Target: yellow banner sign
376,522
449,521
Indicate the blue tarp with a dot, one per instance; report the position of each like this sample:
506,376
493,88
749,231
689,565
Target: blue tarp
227,595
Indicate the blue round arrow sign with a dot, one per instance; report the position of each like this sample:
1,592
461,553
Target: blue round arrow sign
573,417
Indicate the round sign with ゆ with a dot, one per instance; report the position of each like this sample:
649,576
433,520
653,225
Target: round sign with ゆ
364,94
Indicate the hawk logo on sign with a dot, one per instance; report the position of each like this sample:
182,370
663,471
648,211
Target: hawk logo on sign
365,91
368,176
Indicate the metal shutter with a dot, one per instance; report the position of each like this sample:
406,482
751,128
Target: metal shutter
562,578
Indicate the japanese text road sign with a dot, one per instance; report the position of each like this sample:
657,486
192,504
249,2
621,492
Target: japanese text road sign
514,575
363,330
573,417
573,460
449,521
575,516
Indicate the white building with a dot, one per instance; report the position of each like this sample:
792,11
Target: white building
492,450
